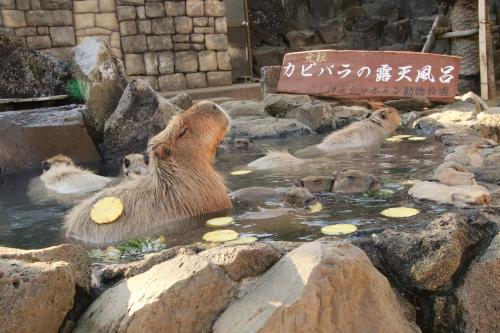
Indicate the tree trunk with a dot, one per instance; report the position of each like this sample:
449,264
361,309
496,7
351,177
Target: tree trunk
464,16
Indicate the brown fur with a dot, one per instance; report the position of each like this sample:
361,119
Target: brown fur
371,131
277,160
135,165
299,197
181,182
60,175
347,181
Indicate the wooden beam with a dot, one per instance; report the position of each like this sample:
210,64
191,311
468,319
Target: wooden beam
431,38
32,99
483,48
465,33
492,85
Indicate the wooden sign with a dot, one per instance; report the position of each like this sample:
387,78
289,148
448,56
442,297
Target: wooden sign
370,74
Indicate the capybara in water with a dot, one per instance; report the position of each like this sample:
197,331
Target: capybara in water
277,160
60,175
371,131
261,196
135,165
181,181
346,181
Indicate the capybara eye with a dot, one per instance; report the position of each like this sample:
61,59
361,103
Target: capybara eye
214,107
146,159
182,133
350,177
45,165
382,115
126,162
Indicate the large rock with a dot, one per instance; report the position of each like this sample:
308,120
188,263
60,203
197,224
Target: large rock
318,116
184,294
241,261
479,295
140,114
269,77
488,124
75,256
461,114
277,105
267,21
322,286
34,297
427,258
237,109
101,80
42,290
409,104
344,115
29,137
458,195
267,127
27,73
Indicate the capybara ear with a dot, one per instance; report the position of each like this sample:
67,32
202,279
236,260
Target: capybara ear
383,115
162,151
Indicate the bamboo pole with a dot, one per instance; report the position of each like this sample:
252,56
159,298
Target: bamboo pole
483,49
431,38
492,86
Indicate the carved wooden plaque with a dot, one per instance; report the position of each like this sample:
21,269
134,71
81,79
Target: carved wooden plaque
370,74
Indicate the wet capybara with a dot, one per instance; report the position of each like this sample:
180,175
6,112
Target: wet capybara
60,175
346,181
277,160
181,181
135,165
365,133
262,196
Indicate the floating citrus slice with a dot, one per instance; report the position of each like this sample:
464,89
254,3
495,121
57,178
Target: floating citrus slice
316,208
393,139
339,229
220,236
417,138
402,136
220,222
400,212
241,172
106,210
243,240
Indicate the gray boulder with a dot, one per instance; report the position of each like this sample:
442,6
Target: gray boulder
182,101
28,73
269,77
140,114
344,115
318,116
267,127
237,109
277,105
101,80
409,104
29,137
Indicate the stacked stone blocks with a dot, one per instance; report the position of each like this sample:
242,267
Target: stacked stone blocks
97,18
40,24
175,45
172,45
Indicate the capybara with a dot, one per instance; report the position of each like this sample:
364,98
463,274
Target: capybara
262,196
181,181
365,133
135,165
345,181
60,175
277,160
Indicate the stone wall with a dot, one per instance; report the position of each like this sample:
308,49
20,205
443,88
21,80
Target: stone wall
171,44
40,24
97,18
175,44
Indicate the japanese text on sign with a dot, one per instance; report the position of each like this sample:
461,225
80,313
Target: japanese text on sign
357,74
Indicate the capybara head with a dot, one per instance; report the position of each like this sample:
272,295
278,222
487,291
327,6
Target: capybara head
58,160
387,117
299,197
135,164
316,184
195,132
355,181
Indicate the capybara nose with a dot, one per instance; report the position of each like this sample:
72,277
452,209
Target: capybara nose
374,184
45,165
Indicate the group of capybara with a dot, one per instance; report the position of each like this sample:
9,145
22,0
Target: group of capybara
176,180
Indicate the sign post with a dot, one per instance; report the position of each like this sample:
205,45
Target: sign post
370,74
